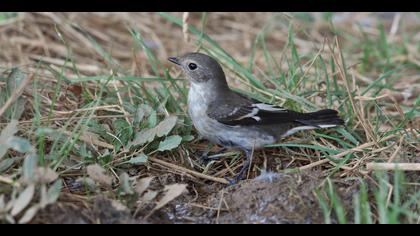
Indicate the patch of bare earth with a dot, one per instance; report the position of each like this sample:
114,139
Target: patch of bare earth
269,198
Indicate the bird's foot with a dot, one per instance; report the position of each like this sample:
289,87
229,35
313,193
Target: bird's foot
205,158
234,180
238,177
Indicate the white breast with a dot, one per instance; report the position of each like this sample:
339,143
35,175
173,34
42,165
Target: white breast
197,109
247,137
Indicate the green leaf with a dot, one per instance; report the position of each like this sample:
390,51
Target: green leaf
125,185
19,108
8,140
6,164
7,133
187,138
29,167
143,137
23,200
170,143
42,131
140,159
20,144
166,126
54,191
152,119
125,131
142,111
29,214
15,79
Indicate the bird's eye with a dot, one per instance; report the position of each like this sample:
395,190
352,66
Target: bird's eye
192,66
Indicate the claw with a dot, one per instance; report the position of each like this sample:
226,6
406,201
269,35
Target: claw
231,182
243,170
235,179
205,158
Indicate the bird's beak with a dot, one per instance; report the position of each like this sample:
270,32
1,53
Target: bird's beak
174,60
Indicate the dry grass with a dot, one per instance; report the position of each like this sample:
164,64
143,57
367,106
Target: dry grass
60,50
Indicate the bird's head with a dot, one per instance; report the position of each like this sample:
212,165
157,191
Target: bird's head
201,69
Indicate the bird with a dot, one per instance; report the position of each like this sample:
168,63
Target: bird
233,120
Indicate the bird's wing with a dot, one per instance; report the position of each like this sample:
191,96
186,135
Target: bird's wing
250,112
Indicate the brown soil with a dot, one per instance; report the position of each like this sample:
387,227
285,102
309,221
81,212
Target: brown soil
269,198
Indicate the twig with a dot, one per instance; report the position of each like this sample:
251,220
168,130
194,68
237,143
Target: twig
16,93
366,98
344,76
313,164
359,148
59,62
191,172
185,17
396,150
90,139
121,103
45,119
393,166
106,108
394,26
6,180
308,68
250,161
219,207
341,154
207,207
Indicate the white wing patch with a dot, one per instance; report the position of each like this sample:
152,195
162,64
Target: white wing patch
327,126
296,129
268,107
234,111
257,108
250,115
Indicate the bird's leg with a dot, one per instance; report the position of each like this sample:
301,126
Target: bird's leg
205,158
244,168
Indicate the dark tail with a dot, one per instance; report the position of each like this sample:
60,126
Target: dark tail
326,117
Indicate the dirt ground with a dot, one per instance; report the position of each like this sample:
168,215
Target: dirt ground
269,198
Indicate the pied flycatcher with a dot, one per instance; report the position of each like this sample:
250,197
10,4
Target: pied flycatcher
230,119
